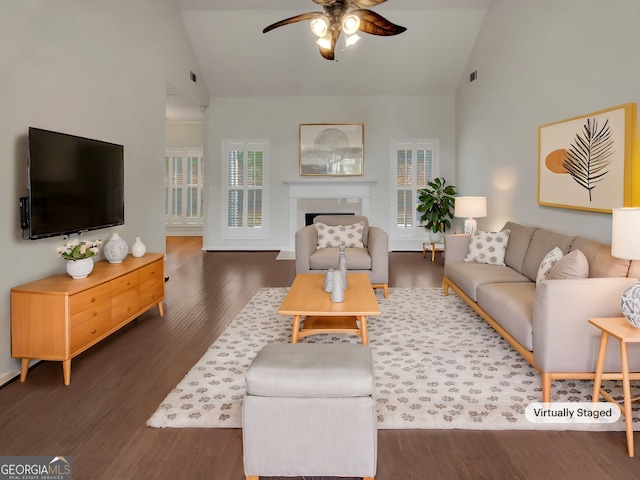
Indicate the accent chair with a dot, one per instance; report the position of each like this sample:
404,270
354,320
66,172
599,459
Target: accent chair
367,248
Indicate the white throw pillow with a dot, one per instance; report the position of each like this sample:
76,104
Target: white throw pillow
548,262
572,265
336,235
488,247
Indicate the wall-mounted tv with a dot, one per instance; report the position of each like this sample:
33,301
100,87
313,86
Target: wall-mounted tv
76,184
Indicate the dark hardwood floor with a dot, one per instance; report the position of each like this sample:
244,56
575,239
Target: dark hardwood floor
100,419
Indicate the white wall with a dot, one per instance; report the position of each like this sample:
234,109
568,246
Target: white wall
96,69
184,135
540,62
278,119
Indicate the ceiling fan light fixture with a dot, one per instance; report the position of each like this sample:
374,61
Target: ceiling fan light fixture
324,42
351,40
350,24
320,26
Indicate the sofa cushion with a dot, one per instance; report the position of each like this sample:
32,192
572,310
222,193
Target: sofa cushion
601,262
511,306
470,275
573,265
325,258
488,247
519,240
542,242
336,235
548,262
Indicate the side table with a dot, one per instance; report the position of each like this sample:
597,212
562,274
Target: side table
620,329
433,248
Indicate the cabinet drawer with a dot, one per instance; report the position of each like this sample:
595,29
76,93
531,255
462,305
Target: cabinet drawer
84,333
85,300
153,293
95,312
124,306
124,283
154,270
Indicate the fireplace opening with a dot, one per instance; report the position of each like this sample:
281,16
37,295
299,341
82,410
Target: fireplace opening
308,217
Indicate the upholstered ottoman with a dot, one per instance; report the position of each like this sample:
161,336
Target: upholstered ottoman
310,410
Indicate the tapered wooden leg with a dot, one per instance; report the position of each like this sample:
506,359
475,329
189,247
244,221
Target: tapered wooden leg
296,329
363,329
24,369
546,387
66,371
602,353
367,478
160,309
253,477
626,388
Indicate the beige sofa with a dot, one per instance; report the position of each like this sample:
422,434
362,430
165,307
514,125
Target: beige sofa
372,258
546,323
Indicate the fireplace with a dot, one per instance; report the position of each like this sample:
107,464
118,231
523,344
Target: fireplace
340,198
308,217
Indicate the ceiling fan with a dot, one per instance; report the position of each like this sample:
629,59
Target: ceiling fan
346,16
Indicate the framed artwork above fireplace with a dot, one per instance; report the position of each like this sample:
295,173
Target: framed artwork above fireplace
332,149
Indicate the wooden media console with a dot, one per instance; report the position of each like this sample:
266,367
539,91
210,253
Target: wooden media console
58,317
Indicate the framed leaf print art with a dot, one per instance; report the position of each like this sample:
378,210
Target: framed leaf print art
587,162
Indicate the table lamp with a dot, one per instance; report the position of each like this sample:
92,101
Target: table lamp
470,207
625,243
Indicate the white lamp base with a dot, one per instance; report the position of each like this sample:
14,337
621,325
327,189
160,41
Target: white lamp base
470,226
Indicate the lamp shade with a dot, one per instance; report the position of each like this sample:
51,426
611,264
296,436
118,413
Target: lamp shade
471,207
625,233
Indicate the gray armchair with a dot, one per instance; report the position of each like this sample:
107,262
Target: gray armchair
373,259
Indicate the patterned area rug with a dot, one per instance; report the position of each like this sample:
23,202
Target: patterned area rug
438,366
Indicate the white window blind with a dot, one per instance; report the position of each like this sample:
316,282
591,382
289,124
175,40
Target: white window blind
184,182
413,163
244,171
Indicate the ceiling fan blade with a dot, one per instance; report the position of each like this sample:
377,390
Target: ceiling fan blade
328,2
297,18
329,53
371,22
366,3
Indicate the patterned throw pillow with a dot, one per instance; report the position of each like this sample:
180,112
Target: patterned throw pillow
488,247
336,235
548,262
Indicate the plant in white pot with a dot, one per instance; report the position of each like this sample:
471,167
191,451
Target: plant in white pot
436,203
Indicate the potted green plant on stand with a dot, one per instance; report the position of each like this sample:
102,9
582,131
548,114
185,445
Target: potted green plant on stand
436,203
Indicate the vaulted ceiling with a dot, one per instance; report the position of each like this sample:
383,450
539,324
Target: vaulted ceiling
238,60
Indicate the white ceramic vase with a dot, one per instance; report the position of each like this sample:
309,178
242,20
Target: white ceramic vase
116,249
80,268
138,249
630,304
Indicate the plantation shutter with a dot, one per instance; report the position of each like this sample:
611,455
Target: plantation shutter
244,171
184,183
414,164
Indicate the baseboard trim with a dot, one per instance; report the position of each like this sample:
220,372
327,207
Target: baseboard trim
8,376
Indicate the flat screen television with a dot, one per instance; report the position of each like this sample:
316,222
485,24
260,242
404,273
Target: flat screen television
76,184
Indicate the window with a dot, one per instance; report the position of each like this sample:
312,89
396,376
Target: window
413,163
183,181
244,166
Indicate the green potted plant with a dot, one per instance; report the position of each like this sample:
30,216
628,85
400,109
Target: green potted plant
436,204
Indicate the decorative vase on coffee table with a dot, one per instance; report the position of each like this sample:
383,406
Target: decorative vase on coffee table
116,249
80,268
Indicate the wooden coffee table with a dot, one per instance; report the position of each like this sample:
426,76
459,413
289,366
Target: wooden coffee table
306,298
